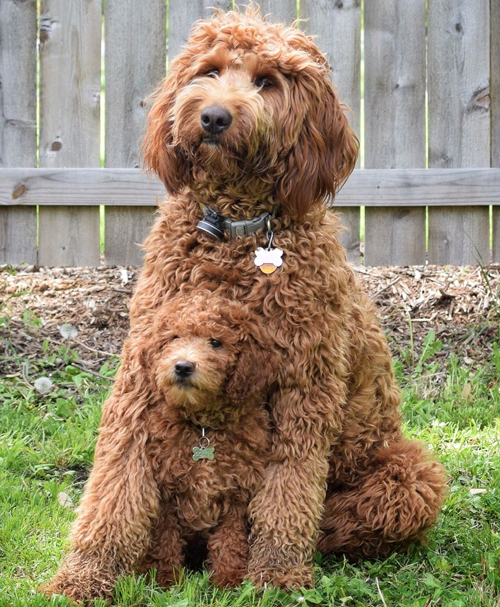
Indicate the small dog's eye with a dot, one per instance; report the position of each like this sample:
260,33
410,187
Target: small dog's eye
263,82
212,73
175,337
215,343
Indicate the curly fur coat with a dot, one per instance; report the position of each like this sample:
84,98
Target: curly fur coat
246,122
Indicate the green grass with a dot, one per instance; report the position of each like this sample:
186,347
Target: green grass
46,445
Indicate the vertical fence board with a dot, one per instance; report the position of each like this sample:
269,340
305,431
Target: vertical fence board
278,11
337,30
470,234
17,122
459,121
350,235
395,122
336,27
181,17
495,113
135,64
70,61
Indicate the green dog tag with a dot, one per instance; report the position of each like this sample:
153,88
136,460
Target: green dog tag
203,453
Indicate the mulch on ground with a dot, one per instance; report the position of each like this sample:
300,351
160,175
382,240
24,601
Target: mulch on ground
460,304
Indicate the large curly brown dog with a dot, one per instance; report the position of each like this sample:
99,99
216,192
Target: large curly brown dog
248,123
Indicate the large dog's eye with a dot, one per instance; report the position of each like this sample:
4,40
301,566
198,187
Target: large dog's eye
263,82
215,343
212,73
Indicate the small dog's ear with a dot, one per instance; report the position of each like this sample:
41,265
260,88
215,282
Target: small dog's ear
325,153
254,371
158,152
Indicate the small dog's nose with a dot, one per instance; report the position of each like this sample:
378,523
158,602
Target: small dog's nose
184,368
215,119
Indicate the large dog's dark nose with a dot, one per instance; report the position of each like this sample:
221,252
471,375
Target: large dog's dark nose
215,119
184,368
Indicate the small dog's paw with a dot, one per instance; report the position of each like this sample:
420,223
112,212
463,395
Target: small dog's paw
287,579
228,578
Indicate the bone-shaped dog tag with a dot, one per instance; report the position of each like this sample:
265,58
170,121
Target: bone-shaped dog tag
204,450
203,453
268,259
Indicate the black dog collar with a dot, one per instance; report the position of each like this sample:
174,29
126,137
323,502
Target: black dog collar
215,225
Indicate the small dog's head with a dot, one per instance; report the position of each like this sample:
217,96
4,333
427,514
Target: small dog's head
248,107
211,354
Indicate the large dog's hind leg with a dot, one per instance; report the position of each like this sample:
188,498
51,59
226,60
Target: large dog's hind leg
396,501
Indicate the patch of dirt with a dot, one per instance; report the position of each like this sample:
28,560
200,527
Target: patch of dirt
460,304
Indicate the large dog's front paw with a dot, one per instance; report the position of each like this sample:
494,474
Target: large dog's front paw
78,591
286,578
83,577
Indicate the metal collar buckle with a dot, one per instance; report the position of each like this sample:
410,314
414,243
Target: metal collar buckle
215,225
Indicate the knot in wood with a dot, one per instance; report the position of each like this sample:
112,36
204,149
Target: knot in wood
19,190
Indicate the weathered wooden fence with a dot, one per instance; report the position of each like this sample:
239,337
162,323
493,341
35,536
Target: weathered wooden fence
429,94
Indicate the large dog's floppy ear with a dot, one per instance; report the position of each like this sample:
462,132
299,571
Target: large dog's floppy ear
326,151
254,371
159,153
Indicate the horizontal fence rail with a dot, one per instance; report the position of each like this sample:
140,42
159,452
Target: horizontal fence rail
131,187
422,78
397,190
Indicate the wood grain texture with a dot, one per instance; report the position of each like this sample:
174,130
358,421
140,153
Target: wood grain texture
74,187
350,234
70,61
469,227
126,230
369,187
336,26
17,121
495,112
182,14
496,235
70,236
459,120
18,235
395,122
495,81
277,11
135,65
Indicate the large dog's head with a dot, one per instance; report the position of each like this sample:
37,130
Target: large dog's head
249,111
211,354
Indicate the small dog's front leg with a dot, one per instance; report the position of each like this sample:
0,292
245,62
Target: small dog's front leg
166,550
228,548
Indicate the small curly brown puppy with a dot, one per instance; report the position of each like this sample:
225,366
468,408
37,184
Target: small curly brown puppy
208,440
249,137
205,440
